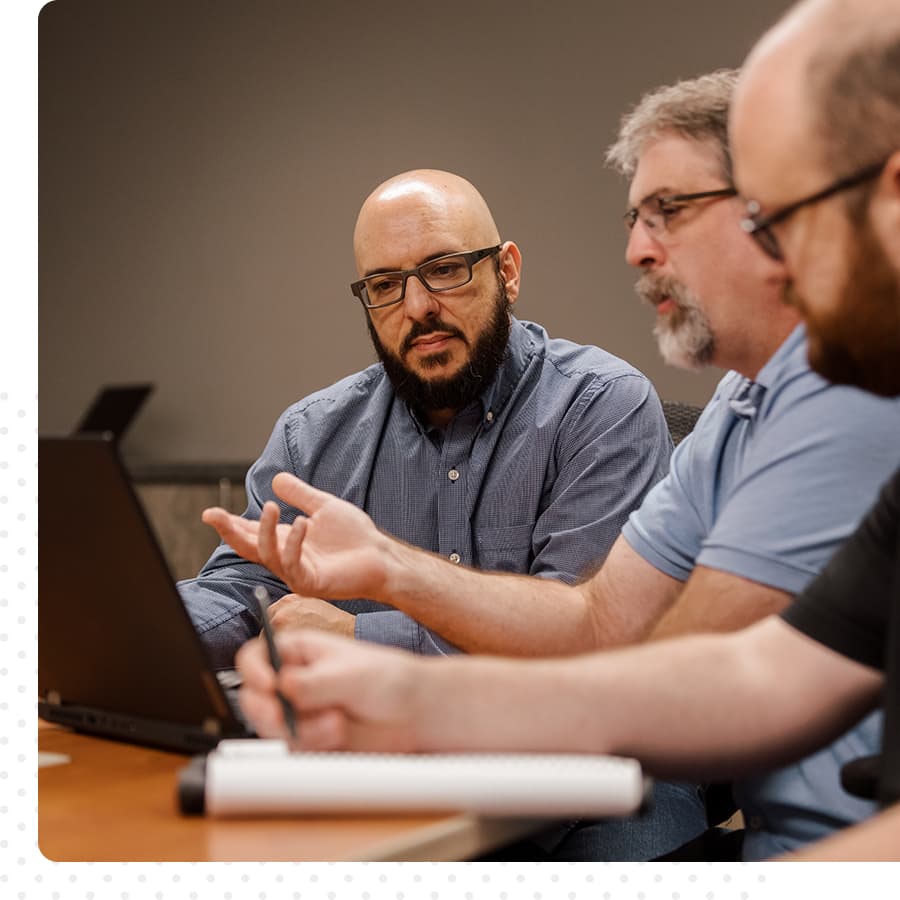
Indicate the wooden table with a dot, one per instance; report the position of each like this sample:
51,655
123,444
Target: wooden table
116,802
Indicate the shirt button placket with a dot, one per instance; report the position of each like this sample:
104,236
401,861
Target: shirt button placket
453,475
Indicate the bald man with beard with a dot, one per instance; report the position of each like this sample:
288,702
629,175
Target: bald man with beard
476,436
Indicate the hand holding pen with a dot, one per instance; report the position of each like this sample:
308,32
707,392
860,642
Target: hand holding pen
262,601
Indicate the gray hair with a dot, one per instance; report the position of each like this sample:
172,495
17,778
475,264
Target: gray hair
696,108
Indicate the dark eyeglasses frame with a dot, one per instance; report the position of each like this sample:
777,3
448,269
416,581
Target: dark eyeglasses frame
470,256
632,215
759,227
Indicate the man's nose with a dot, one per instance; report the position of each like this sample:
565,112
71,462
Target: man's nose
419,302
644,249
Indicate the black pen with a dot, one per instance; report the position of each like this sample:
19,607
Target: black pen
262,600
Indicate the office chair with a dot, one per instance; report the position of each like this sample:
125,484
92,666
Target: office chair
681,418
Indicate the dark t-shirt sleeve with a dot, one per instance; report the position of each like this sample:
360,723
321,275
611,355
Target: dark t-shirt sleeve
848,606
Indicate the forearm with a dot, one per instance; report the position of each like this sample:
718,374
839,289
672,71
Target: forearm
657,704
717,601
705,707
336,552
717,706
482,612
877,839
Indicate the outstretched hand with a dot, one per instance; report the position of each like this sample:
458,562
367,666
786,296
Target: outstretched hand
334,551
242,535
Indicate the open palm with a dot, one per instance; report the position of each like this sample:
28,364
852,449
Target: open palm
335,551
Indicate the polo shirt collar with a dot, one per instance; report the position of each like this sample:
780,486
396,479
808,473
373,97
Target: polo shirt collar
747,396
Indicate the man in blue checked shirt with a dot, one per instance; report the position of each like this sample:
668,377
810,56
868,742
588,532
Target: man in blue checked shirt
476,436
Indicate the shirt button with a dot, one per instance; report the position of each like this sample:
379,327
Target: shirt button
455,558
490,416
453,474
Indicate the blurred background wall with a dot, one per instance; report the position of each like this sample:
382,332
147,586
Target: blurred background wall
202,164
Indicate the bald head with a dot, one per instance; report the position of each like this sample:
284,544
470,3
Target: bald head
441,203
815,137
442,332
832,67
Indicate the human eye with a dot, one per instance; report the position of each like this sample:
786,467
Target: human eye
446,271
668,209
382,286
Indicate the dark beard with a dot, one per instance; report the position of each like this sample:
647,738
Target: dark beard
456,391
859,343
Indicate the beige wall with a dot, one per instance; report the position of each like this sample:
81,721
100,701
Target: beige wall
202,164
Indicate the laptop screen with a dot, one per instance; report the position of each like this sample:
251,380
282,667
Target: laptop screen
114,408
113,632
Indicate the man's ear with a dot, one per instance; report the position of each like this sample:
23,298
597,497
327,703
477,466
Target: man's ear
511,269
885,210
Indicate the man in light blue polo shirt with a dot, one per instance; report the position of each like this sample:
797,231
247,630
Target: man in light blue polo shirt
782,467
778,472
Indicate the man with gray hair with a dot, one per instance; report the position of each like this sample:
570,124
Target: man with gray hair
696,109
825,203
757,499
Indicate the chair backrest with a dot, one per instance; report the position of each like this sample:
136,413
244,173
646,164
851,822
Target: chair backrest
681,418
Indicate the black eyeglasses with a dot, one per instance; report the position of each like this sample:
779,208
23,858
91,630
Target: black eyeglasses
441,274
656,211
759,227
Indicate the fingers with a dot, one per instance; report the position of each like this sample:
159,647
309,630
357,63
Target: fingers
320,730
267,538
263,710
237,532
296,574
334,729
214,515
252,661
298,493
323,676
257,697
314,674
301,648
328,670
325,730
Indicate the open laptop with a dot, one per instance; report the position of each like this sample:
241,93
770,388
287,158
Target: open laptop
117,653
114,408
118,657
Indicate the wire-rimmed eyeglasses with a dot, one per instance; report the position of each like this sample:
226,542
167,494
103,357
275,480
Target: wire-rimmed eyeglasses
453,270
655,211
759,227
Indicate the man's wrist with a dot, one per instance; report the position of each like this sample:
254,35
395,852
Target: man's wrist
402,568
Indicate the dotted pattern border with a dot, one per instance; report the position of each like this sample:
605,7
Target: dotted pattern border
25,874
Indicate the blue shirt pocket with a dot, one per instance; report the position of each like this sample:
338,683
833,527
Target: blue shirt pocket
505,548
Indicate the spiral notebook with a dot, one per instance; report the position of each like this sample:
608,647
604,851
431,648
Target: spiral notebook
264,778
